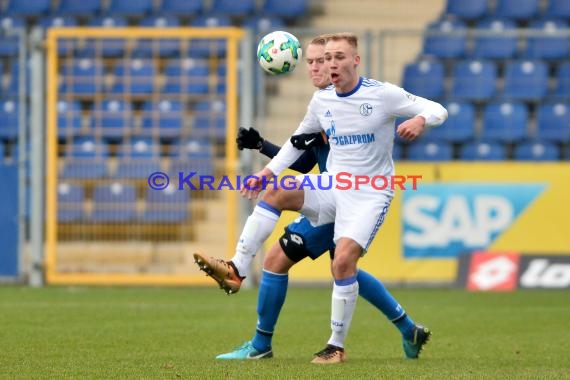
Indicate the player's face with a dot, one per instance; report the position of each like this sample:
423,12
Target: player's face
341,60
315,58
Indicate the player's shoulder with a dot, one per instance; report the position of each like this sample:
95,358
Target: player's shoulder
371,83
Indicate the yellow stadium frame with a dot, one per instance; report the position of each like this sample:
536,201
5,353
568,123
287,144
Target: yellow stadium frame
233,36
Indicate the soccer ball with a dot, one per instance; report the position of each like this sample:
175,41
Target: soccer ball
278,52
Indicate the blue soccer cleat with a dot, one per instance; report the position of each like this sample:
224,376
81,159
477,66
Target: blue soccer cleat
245,352
413,347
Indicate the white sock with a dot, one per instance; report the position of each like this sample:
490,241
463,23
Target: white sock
342,309
259,225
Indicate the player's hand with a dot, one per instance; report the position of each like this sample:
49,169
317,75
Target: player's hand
254,184
306,141
248,139
411,129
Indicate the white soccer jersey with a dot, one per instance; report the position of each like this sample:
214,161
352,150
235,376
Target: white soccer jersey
360,126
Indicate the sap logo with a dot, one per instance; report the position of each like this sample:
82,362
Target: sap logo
544,273
447,220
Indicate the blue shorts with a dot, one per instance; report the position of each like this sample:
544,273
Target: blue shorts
301,239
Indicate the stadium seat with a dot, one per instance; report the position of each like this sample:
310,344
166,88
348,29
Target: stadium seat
2,152
135,76
138,159
112,47
9,43
192,155
445,39
536,151
9,46
474,80
83,76
468,10
28,7
563,80
424,78
482,151
86,158
263,24
181,7
64,46
112,119
505,122
554,45
291,9
210,119
68,118
558,8
130,7
205,48
459,126
233,8
553,122
163,119
14,79
519,10
9,22
70,201
166,206
9,114
501,44
430,151
79,8
188,76
397,152
158,47
114,203
525,80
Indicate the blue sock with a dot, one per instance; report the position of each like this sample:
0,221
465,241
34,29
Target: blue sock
373,291
270,299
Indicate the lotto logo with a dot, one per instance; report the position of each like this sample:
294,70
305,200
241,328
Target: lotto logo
548,272
493,272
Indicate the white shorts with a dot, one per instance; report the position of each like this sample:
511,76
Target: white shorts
357,214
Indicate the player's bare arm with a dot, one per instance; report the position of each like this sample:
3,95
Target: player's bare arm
412,128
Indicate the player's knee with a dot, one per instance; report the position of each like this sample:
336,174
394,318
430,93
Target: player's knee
284,199
276,261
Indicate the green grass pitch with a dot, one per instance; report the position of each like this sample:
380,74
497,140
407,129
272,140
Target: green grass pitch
175,333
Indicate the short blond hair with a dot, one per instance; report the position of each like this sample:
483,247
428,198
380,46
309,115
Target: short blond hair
351,38
321,39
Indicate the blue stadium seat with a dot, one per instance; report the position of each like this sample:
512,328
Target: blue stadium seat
181,7
68,118
501,44
164,119
552,46
9,22
553,122
160,47
397,152
474,80
86,158
112,47
28,7
14,79
9,46
558,8
291,9
130,7
205,48
233,8
430,151
519,10
135,76
505,122
468,10
210,119
64,46
192,155
483,151
459,126
536,151
114,203
2,152
79,8
70,200
188,76
424,78
83,76
563,80
9,110
138,158
263,24
445,39
166,206
525,80
112,119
